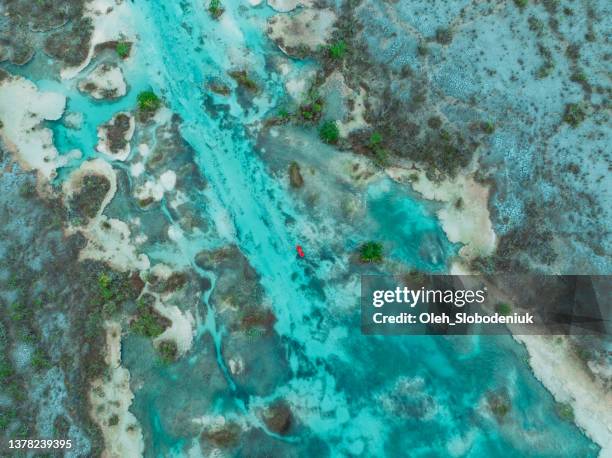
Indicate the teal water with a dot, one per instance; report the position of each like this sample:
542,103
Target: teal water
352,395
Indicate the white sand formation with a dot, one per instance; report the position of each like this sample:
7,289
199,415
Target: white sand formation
23,110
110,398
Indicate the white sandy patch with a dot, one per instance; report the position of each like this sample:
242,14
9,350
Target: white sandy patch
284,6
469,222
168,180
109,240
308,28
103,145
182,329
297,84
104,82
563,375
23,109
112,20
110,398
255,2
155,189
73,120
137,169
144,150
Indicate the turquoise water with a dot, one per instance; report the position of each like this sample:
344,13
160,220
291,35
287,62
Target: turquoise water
352,395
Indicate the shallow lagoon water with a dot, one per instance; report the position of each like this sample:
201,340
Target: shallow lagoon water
354,395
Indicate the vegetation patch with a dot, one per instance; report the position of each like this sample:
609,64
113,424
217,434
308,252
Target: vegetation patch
148,101
565,411
123,49
574,114
148,322
215,9
168,351
504,308
444,35
371,252
329,132
337,50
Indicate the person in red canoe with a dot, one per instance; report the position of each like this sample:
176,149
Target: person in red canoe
299,250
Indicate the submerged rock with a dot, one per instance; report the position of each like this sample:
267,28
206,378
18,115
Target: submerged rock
278,417
222,436
499,403
295,177
115,136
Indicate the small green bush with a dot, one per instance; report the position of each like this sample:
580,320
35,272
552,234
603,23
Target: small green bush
329,132
40,360
371,252
337,50
565,411
148,101
444,36
375,139
104,286
504,309
6,370
147,323
168,351
487,127
215,9
521,3
574,114
123,49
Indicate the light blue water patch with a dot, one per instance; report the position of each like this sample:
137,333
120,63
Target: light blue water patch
411,230
95,113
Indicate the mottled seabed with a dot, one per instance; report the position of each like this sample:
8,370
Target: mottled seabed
161,160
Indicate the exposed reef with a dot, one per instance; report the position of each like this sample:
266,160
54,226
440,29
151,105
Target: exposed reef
115,136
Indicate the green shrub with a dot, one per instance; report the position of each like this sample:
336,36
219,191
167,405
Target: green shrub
215,9
123,49
104,286
329,132
18,312
487,127
167,351
574,114
6,370
521,3
504,309
337,50
444,36
371,252
148,101
40,360
565,411
147,323
375,139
